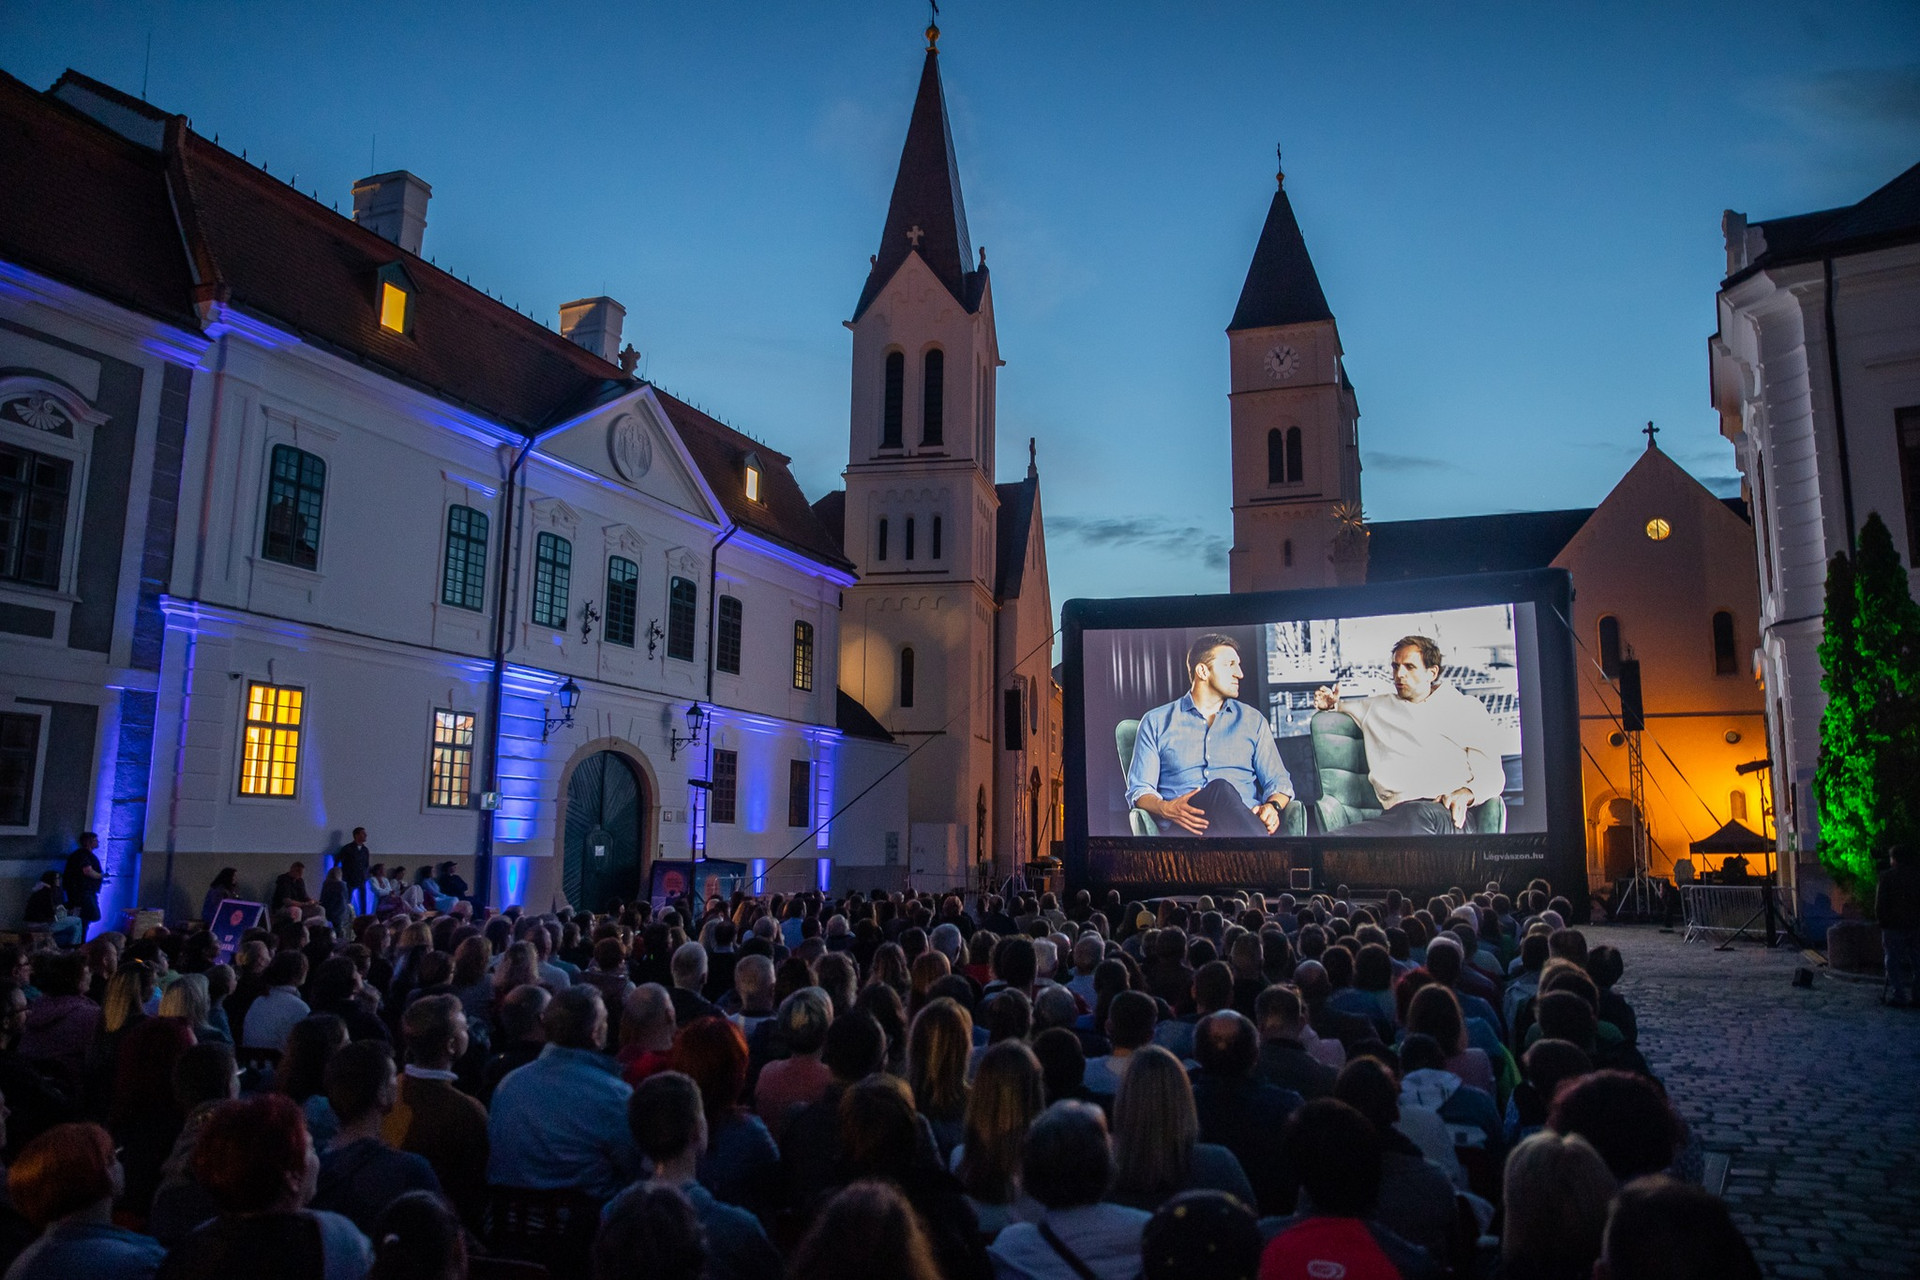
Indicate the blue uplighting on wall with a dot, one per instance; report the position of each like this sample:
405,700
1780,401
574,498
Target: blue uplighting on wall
510,879
526,768
759,870
823,873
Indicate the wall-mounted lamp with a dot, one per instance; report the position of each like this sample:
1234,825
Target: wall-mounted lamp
588,616
696,715
654,636
569,699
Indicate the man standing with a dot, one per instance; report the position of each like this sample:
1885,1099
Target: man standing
1432,752
354,860
82,879
1206,764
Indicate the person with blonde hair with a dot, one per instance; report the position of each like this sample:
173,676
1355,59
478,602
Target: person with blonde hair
1557,1189
939,1045
1007,1095
1156,1138
188,999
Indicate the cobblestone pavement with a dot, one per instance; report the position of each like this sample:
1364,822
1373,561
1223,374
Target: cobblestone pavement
1813,1095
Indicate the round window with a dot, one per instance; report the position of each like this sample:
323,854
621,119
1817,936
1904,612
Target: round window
1658,529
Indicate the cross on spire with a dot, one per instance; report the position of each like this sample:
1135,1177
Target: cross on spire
1279,166
1650,431
913,235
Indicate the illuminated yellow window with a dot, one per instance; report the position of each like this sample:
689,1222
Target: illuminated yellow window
393,307
753,477
1658,529
451,783
270,760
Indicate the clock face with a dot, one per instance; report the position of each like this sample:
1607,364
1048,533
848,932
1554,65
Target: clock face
1282,362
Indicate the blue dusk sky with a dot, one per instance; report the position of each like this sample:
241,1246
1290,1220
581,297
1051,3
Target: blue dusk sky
1514,208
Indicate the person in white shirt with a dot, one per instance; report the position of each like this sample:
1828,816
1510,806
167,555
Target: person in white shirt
1432,751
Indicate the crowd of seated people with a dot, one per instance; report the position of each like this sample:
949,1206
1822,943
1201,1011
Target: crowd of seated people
851,1088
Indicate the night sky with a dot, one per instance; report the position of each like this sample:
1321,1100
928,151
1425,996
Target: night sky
1514,208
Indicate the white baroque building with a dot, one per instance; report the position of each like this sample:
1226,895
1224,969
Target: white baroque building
351,527
1816,376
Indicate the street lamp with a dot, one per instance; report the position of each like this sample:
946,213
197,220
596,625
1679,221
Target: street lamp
569,699
696,714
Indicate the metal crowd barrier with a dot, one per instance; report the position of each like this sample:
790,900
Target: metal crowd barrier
1722,910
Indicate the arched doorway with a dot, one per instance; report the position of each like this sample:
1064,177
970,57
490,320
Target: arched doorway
606,817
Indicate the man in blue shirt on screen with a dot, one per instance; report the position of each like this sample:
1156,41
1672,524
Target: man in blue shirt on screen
1206,765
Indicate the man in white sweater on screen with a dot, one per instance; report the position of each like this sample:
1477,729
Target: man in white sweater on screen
1432,751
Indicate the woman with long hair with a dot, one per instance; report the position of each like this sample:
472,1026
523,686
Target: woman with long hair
741,1164
1434,1011
884,1007
890,966
471,981
928,968
1156,1138
189,1000
866,1232
1557,1192
302,1073
144,1117
939,1047
519,967
1007,1095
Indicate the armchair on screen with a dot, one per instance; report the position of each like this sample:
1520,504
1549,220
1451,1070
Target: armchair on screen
1293,818
1346,794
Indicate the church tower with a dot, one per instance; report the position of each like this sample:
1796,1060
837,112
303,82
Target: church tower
1295,424
920,508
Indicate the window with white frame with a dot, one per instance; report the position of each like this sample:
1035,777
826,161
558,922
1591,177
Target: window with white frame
450,779
296,493
552,579
19,767
270,750
34,488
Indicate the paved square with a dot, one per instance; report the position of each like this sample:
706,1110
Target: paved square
1813,1095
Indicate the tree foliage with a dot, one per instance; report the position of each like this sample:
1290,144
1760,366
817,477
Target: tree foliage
1868,781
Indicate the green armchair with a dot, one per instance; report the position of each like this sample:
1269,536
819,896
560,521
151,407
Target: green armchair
1293,818
1347,795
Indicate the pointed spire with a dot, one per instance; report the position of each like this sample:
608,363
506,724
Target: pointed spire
1282,286
1033,460
926,215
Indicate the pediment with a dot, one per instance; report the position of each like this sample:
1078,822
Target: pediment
631,446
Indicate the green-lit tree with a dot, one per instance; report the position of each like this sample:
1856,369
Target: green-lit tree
1868,781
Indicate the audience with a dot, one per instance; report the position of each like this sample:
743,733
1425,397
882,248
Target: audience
858,1084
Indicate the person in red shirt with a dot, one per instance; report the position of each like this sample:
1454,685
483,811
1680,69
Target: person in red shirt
1337,1155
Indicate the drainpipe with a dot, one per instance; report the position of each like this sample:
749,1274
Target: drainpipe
713,605
1839,408
483,858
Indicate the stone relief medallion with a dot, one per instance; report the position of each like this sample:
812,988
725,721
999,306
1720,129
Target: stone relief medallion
631,447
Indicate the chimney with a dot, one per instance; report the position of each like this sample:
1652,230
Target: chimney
393,205
594,323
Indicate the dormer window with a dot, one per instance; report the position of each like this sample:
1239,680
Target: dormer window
394,299
753,477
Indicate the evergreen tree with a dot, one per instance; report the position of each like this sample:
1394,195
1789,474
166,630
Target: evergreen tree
1868,781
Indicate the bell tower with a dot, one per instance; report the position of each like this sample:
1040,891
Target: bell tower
1295,424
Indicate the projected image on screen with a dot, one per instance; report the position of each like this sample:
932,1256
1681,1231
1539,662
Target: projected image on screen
1389,725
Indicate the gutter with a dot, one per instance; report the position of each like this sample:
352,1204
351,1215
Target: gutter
1839,407
483,856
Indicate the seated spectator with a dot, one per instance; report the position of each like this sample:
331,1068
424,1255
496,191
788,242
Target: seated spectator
1156,1138
865,1232
1130,1021
1212,992
1468,1112
1524,984
1337,1155
360,1175
1544,1068
204,1077
62,1025
1556,1194
271,1018
1006,1096
1662,1229
1416,1200
1202,1235
188,1001
656,1235
800,1078
1066,1166
519,1024
1239,1111
419,1238
143,1117
1371,994
37,1099
1606,967
938,1053
431,1117
1063,1065
689,980
753,993
560,1122
1625,1117
667,1118
1448,966
609,972
337,988
65,1183
878,1001
740,1163
302,1073
1284,1060
255,1161
646,1032
1327,1023
882,1138
1435,1011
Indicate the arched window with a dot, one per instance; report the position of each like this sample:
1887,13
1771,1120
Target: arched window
1610,647
1295,471
882,555
906,677
1724,661
1276,457
935,551
909,539
933,399
893,400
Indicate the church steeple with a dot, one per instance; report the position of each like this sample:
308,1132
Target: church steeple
1282,286
926,215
